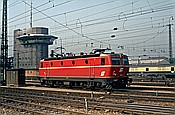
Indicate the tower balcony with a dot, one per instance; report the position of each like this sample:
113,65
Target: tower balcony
36,39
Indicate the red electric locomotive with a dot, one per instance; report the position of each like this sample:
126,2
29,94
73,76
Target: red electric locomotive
99,70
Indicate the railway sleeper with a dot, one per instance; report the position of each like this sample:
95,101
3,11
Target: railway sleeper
22,109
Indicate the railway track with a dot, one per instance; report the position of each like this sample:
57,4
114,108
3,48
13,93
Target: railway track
35,108
95,103
153,81
151,88
116,94
148,83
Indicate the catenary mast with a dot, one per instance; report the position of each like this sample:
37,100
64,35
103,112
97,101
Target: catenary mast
4,42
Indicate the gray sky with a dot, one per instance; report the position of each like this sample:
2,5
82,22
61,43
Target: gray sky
87,24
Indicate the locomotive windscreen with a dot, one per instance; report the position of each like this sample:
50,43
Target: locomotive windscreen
115,61
125,61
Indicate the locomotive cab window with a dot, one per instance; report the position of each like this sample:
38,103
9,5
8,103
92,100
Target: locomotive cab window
147,69
115,61
41,64
172,68
102,61
51,63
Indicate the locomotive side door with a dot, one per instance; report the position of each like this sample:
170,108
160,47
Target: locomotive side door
92,69
47,71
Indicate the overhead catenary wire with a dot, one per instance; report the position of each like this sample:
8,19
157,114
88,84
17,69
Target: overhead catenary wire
26,12
17,2
115,14
112,20
101,35
35,12
65,12
62,24
138,29
113,9
43,18
119,33
141,26
72,44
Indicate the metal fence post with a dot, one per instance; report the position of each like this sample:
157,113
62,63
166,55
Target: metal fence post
86,105
92,95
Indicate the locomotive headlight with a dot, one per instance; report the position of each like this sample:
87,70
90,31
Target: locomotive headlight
114,73
121,70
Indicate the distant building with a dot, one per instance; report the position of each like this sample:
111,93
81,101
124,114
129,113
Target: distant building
173,60
31,45
150,61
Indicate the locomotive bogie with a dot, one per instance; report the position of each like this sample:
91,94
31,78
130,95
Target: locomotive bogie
87,83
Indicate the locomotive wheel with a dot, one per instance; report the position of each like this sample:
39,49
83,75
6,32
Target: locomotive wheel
98,85
77,84
72,84
59,84
84,86
52,84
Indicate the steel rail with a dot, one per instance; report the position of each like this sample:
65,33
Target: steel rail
129,108
107,97
22,109
45,107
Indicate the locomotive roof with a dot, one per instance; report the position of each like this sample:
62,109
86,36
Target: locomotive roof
72,57
83,56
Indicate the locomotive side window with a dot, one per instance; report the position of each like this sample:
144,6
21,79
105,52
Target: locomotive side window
125,61
61,63
115,61
102,61
172,68
147,69
86,61
73,62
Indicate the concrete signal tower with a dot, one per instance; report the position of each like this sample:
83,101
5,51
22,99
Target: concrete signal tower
30,46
